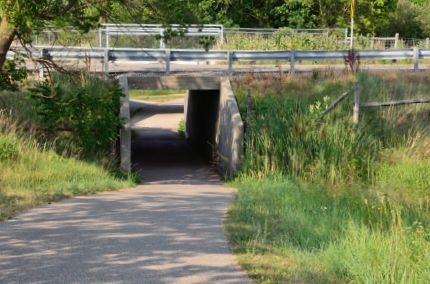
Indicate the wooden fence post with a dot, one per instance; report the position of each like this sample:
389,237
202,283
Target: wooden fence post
292,62
427,45
356,111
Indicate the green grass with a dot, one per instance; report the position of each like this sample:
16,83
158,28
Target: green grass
39,164
327,201
181,128
156,95
32,173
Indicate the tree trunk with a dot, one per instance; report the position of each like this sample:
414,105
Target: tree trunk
7,35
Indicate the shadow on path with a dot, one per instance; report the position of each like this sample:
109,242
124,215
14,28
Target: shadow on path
168,230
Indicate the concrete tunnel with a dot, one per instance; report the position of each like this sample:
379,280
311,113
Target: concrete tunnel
213,126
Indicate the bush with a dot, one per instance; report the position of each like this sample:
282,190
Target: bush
11,74
8,148
86,107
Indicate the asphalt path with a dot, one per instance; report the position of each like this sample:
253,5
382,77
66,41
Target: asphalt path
167,230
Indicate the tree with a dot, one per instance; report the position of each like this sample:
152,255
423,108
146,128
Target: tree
21,19
404,20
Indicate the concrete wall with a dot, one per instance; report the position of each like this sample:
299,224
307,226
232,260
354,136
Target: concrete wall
125,131
212,120
229,131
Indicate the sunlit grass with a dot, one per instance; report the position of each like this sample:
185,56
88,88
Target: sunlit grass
32,173
327,201
156,95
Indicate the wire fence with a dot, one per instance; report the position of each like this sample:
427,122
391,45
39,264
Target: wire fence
218,37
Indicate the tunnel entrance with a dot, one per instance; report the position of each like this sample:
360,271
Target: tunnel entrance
160,151
213,129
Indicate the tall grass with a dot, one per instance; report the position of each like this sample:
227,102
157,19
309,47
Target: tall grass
322,200
286,39
32,173
42,157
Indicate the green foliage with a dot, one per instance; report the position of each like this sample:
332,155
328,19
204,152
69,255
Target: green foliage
86,106
8,148
405,20
287,39
325,201
288,136
12,74
283,232
33,173
181,128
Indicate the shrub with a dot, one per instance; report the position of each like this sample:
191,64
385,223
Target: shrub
11,74
87,107
8,148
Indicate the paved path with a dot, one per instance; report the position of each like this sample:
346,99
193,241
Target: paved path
168,230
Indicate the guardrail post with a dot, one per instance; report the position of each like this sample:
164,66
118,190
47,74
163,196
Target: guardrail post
292,62
427,42
230,61
106,61
416,58
167,60
396,40
44,55
356,111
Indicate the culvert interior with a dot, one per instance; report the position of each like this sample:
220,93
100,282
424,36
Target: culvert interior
160,153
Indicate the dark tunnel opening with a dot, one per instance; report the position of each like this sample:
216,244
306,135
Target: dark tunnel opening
201,119
159,153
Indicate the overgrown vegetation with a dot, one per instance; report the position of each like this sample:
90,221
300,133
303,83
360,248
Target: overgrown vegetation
84,108
287,39
322,200
55,141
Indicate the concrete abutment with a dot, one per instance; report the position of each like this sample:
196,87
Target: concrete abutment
212,120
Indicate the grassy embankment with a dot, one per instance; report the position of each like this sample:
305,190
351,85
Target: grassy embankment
325,201
38,167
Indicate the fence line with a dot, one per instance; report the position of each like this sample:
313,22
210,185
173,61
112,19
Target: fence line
358,104
167,56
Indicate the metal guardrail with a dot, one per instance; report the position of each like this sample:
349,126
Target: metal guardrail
167,56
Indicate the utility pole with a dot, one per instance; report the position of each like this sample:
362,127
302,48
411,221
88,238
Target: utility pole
352,23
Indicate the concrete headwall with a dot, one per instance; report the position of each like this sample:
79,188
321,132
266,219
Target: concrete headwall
229,131
212,120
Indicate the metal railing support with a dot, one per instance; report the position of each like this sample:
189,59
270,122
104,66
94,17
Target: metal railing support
416,58
293,62
230,62
167,61
106,61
